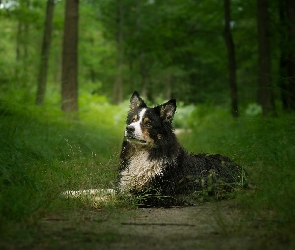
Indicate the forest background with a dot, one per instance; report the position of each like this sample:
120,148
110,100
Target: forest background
68,68
195,51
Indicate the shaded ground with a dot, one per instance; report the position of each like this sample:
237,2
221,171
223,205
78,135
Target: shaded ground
205,226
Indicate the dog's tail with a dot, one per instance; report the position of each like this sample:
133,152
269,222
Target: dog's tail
98,195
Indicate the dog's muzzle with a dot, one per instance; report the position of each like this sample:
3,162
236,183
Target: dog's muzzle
131,136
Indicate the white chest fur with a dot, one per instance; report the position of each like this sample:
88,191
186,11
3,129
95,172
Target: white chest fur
139,171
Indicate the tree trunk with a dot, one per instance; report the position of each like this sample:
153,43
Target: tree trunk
141,54
143,74
41,88
231,60
265,94
70,58
18,40
290,7
283,84
22,43
118,85
18,51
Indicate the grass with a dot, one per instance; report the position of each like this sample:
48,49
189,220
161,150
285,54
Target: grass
43,153
266,148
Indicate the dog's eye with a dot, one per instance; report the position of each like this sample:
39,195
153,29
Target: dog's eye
148,124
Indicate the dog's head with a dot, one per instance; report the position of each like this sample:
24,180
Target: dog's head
148,126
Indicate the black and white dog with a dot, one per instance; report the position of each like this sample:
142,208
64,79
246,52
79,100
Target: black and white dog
156,168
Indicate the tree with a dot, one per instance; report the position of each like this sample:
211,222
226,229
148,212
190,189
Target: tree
265,94
231,59
290,7
22,44
118,84
142,63
69,83
169,47
287,53
42,76
283,54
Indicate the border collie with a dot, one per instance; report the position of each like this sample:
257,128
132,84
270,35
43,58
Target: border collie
156,169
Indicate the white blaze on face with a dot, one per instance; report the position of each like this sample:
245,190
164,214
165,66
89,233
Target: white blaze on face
138,132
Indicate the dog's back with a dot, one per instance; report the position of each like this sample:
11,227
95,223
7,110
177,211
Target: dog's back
155,166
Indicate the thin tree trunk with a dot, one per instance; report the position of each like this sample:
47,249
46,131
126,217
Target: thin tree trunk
118,84
231,60
22,43
18,54
290,7
41,88
91,69
143,74
284,81
18,40
283,56
141,54
265,94
70,57
25,43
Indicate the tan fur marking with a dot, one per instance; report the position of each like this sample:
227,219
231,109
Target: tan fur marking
135,118
146,120
146,136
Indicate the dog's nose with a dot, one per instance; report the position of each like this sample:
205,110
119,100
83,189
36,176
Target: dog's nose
130,129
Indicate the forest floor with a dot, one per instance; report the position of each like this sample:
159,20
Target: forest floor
204,226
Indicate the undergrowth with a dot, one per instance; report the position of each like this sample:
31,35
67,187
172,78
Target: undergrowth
43,154
265,147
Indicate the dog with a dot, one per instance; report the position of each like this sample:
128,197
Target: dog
156,169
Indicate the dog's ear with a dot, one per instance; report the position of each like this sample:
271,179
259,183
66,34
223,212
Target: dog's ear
167,110
136,101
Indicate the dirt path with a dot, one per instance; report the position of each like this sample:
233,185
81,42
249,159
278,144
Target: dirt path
205,226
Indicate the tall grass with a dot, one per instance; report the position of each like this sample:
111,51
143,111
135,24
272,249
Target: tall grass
42,154
264,146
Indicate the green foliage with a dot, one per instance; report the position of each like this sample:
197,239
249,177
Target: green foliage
42,154
253,109
264,147
176,42
172,42
183,117
161,40
96,55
